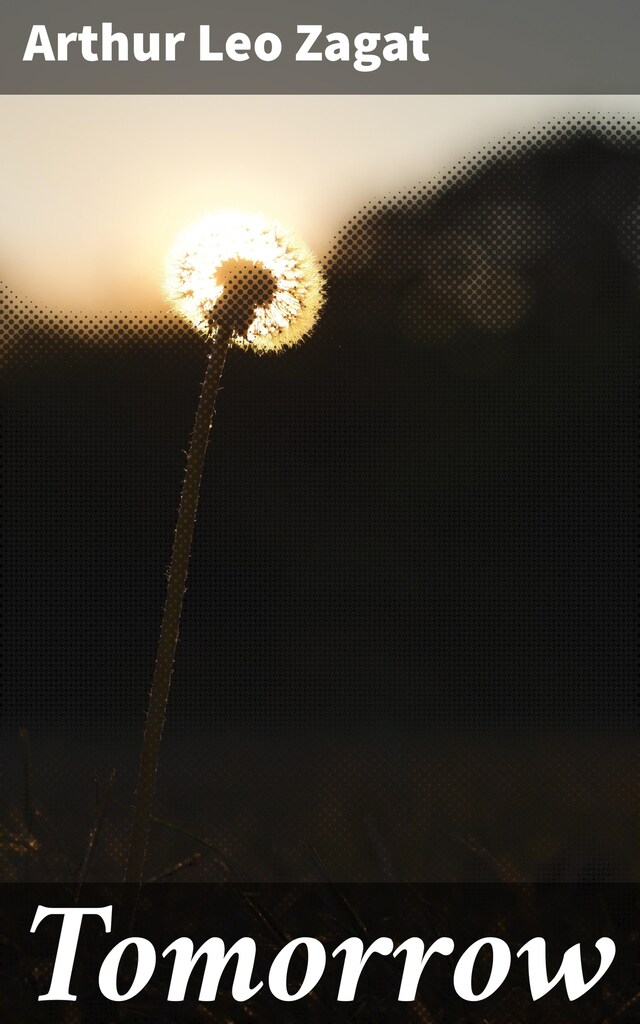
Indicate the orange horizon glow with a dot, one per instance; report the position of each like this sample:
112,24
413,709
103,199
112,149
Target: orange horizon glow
95,188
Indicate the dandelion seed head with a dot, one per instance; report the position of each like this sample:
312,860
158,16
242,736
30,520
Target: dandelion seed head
246,277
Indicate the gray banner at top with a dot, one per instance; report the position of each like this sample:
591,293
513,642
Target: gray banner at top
474,46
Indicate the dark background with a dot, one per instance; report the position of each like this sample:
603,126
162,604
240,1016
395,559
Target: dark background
417,532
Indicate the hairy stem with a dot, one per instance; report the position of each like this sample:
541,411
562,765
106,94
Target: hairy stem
161,684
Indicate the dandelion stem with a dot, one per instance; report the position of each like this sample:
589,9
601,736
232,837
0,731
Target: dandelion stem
161,684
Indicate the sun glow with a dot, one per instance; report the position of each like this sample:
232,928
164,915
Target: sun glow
247,276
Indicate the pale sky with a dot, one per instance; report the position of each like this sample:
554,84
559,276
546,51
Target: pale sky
95,188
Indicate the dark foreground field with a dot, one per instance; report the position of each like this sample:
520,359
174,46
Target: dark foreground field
423,809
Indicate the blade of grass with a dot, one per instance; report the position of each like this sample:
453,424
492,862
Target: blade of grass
27,788
175,869
101,813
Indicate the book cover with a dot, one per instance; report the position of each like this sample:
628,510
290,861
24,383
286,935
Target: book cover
319,511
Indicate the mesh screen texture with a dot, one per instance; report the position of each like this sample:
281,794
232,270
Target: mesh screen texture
415,563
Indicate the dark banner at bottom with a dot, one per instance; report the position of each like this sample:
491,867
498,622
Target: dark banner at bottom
320,952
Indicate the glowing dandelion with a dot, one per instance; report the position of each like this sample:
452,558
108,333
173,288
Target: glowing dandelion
241,281
247,275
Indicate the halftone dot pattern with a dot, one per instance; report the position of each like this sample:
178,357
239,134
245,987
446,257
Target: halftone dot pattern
474,256
55,331
247,287
423,520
